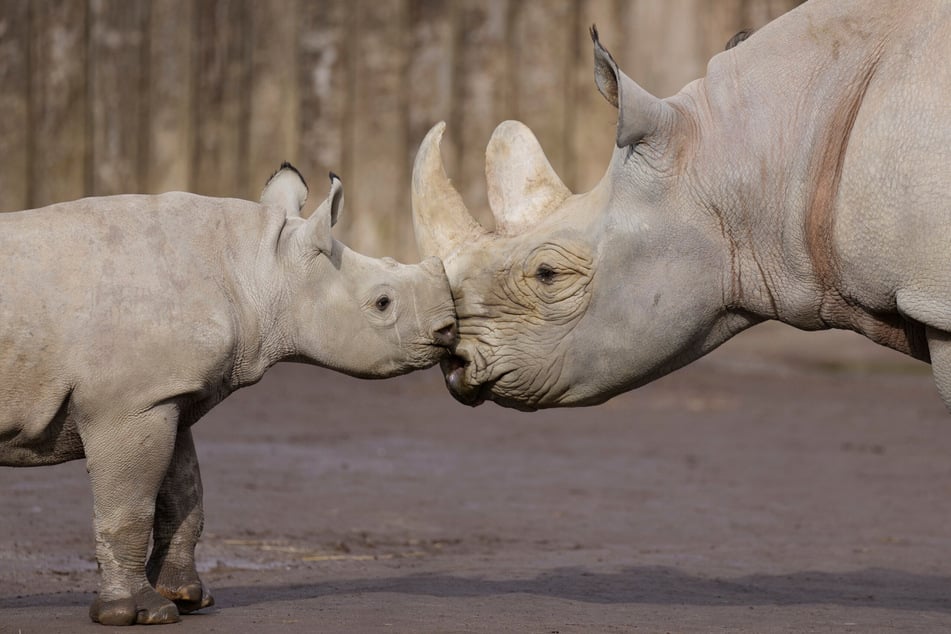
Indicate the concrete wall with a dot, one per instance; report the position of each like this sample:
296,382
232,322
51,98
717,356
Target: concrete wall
121,96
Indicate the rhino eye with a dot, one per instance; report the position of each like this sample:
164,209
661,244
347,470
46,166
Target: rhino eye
545,274
382,303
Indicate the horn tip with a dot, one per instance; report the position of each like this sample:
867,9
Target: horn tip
510,131
437,130
509,126
432,138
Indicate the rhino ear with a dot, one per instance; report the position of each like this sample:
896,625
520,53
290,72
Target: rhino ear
318,228
286,189
640,114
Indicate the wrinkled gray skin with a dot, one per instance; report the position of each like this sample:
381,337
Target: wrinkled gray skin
806,179
124,319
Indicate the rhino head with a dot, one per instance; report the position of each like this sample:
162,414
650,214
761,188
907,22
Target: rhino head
574,298
362,316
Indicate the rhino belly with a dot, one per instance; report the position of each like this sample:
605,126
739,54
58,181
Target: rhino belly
38,429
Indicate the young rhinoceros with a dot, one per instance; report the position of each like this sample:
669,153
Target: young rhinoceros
124,319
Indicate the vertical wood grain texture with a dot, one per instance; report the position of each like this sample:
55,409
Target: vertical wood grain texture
378,191
593,121
661,58
429,80
104,96
222,99
756,13
58,101
541,41
117,31
482,95
274,103
169,93
324,97
14,105
668,44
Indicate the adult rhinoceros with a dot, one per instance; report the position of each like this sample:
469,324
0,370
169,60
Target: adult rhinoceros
806,179
124,319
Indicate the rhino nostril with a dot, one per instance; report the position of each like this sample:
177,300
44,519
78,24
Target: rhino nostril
446,335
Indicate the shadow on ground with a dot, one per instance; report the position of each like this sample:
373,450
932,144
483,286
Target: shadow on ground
657,585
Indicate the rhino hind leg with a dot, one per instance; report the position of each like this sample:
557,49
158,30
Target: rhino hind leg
929,308
939,345
127,458
179,519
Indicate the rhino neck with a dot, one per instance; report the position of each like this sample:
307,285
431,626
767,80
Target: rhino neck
258,290
775,130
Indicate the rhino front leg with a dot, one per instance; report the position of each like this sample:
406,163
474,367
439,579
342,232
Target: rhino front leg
127,457
178,523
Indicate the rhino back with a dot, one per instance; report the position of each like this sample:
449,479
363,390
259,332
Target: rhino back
122,299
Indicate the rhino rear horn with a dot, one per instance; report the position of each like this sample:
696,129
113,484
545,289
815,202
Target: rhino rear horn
522,186
441,221
640,114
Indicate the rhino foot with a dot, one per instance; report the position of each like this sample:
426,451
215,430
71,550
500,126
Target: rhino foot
188,597
178,583
146,607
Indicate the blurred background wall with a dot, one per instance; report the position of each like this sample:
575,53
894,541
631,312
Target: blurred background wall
122,96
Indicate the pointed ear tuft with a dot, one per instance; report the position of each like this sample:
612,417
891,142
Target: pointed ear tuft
605,70
640,113
286,189
286,165
317,231
336,194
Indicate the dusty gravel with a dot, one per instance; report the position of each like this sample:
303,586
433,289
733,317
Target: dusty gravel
789,482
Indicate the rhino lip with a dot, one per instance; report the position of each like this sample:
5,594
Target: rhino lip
454,371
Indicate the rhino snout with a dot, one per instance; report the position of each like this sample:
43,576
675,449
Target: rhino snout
444,333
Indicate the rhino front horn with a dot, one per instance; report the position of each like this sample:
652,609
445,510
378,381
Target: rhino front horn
522,185
441,221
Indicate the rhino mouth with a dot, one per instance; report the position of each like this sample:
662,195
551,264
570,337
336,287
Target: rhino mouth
454,371
454,368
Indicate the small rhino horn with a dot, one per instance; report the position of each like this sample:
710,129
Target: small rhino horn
522,186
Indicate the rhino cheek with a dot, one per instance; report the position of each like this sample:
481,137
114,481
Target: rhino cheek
534,384
519,370
513,355
387,360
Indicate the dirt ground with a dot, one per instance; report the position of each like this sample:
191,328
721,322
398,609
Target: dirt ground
789,482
